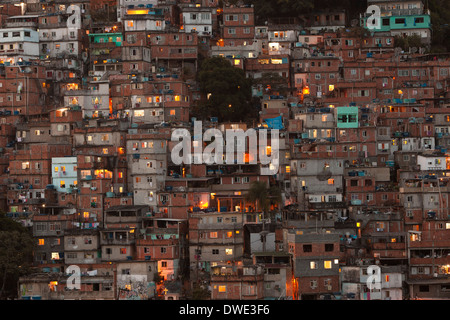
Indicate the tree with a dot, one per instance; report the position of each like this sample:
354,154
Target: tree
200,293
275,197
16,249
226,91
259,195
273,83
440,16
262,196
408,42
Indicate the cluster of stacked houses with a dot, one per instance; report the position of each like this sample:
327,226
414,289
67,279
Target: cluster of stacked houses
87,110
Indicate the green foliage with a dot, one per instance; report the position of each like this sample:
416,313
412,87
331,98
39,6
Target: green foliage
408,42
276,82
200,293
262,196
265,9
16,249
227,91
440,18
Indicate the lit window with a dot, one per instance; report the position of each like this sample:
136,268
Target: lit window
229,251
139,113
330,181
213,234
222,288
327,264
41,242
123,250
313,265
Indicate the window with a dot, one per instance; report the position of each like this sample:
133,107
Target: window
231,17
313,284
213,235
329,247
222,288
424,288
41,242
139,113
307,248
313,265
215,251
163,250
228,251
123,250
231,31
419,20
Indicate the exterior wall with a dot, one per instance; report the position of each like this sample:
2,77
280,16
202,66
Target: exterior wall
64,172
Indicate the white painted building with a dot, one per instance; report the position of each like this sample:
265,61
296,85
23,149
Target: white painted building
18,44
125,5
56,42
64,173
94,102
197,20
431,162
